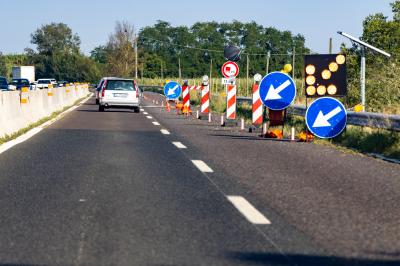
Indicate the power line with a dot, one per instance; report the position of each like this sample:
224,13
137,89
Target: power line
211,50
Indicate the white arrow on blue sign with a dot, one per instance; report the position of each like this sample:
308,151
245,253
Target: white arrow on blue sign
277,90
172,90
326,117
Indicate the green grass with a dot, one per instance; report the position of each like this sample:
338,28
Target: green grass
22,131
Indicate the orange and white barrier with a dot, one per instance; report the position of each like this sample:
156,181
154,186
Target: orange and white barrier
205,99
186,98
195,87
257,110
231,102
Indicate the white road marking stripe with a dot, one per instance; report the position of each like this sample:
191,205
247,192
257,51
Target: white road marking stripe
165,132
156,123
202,166
141,110
248,210
149,117
145,113
179,145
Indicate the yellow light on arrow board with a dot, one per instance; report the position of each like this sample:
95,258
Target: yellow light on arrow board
310,70
311,90
167,81
326,74
310,80
340,59
332,89
288,68
321,90
333,67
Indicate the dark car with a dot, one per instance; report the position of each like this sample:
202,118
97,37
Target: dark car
20,83
62,83
3,84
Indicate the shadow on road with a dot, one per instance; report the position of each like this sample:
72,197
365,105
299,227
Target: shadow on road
305,260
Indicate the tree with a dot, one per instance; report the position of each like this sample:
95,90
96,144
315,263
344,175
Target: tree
55,37
3,66
121,54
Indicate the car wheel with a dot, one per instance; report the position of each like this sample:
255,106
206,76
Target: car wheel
97,101
136,110
101,108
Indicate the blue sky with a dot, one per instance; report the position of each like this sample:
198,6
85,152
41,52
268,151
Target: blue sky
317,20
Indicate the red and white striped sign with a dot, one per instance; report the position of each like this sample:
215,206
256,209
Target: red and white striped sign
195,87
186,96
257,106
231,102
205,99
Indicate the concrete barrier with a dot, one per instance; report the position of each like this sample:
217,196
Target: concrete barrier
15,115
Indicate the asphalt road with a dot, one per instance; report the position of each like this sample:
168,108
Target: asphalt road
112,188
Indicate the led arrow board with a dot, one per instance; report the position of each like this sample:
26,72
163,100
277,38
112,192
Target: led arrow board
172,90
326,117
277,90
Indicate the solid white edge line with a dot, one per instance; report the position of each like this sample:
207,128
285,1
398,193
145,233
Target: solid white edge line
179,145
165,132
34,131
202,166
248,210
156,123
149,117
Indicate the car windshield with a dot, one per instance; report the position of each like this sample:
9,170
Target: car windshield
44,82
24,82
120,85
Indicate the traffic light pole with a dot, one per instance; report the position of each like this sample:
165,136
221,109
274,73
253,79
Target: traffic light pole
362,78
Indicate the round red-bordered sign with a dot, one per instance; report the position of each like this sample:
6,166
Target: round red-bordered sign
230,69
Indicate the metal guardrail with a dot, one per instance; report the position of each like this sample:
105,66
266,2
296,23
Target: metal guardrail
366,119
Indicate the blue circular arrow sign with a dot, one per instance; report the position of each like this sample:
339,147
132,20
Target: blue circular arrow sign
326,117
277,90
172,90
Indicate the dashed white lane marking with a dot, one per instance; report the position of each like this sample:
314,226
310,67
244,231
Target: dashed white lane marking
248,210
149,117
141,110
179,145
165,132
156,123
145,113
202,166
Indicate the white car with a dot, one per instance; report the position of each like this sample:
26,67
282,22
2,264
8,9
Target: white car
44,83
119,93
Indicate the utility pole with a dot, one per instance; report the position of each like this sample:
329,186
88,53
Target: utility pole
179,70
209,82
362,77
247,75
293,61
136,56
267,68
330,45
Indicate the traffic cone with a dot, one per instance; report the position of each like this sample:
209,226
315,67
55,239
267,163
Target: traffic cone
167,106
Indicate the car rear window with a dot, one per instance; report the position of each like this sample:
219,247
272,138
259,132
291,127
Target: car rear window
3,81
20,82
120,85
44,82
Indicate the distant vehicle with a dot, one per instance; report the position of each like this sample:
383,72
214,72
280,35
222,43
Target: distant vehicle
24,72
44,83
62,83
4,86
119,93
20,83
